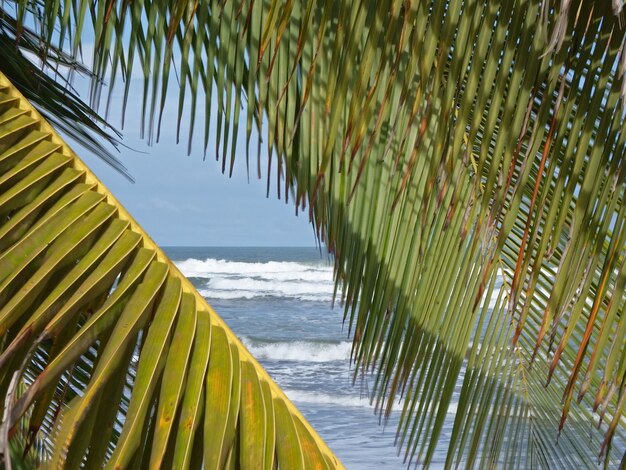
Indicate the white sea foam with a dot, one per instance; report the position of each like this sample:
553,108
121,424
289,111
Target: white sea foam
212,294
302,396
239,280
276,270
317,398
301,351
228,280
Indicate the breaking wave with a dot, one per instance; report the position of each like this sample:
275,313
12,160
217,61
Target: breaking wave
316,398
301,351
224,279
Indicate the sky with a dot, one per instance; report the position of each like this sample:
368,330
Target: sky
184,200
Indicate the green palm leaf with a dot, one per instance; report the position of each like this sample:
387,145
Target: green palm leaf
84,290
28,60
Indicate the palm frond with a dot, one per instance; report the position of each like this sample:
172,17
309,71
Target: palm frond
42,74
108,351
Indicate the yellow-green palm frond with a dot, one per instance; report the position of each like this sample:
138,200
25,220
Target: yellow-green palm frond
108,352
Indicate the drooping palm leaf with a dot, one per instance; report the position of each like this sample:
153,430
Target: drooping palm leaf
107,350
39,71
450,153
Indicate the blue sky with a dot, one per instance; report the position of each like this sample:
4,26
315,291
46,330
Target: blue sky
184,200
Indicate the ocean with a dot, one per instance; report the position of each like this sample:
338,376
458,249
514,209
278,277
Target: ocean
278,301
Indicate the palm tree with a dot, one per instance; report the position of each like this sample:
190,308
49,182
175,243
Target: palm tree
463,161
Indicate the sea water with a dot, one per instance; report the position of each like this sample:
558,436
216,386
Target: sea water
279,302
